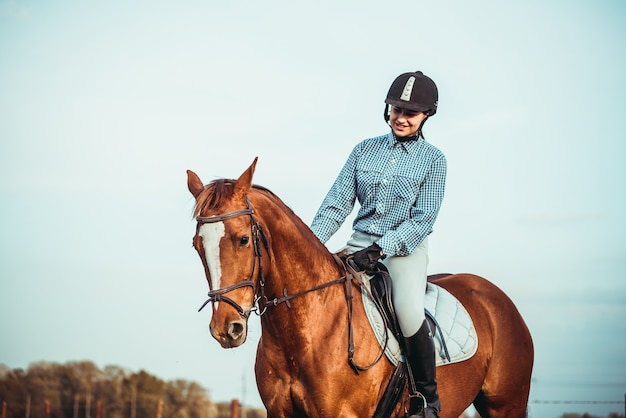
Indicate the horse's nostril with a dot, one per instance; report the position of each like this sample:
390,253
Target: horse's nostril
235,330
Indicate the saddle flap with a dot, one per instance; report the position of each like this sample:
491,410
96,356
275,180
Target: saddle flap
455,340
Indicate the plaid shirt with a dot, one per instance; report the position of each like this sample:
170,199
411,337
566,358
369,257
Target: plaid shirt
400,187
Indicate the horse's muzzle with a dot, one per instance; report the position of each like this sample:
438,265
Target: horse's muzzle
231,333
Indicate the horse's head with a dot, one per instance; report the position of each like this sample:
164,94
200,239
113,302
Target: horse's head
230,242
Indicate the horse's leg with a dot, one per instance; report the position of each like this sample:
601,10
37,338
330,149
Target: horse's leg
459,383
506,387
272,381
500,408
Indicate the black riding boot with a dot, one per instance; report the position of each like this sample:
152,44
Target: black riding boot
420,352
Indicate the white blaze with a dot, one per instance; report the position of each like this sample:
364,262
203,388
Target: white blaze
212,234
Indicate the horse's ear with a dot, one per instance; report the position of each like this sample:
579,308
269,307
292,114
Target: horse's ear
244,182
194,184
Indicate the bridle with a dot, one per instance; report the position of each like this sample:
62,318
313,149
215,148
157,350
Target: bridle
261,302
219,295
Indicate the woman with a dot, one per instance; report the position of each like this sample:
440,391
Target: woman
399,181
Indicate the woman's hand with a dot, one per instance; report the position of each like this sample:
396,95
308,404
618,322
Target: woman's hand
367,258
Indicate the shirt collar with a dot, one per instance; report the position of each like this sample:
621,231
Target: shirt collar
408,146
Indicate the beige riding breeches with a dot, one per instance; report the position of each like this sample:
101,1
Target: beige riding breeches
408,275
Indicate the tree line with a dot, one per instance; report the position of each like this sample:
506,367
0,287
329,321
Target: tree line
82,390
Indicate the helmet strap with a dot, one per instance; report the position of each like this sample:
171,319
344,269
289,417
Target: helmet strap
419,130
386,113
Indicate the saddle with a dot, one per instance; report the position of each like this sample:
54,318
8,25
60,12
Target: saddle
447,318
380,287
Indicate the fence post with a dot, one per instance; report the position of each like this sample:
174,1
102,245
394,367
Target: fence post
133,402
234,409
27,412
88,405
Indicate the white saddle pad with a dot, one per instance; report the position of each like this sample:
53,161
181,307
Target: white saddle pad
455,324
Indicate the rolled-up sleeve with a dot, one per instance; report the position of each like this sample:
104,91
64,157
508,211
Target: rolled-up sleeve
339,201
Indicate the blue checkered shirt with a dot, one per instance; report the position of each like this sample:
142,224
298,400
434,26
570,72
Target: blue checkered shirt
400,187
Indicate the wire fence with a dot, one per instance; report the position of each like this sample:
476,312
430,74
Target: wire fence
580,402
583,402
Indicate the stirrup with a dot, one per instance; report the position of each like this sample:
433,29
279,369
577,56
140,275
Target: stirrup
413,410
422,411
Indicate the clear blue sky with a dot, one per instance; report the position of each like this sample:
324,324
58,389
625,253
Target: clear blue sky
104,105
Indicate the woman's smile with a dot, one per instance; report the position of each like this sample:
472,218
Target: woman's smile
405,122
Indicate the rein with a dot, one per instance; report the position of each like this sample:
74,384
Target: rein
286,297
260,309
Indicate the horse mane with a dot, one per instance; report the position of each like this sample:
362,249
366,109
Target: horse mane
219,190
213,195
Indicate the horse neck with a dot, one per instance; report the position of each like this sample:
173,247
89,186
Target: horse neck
299,261
299,264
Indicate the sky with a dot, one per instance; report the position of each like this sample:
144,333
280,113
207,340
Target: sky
105,105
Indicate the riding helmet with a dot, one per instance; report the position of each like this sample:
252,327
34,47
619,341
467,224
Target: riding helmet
413,91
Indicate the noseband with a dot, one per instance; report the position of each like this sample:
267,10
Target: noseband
257,232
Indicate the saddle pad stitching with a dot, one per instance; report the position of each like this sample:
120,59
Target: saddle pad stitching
456,324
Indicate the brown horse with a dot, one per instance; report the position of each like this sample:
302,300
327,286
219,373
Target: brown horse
260,257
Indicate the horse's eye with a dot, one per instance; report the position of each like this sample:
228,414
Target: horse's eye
244,240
